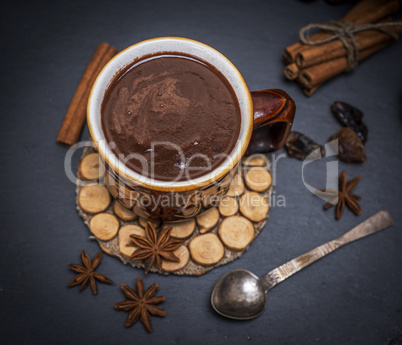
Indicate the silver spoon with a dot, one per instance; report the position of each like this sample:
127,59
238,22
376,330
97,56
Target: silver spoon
241,295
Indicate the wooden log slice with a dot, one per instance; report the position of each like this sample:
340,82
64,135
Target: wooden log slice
228,206
94,198
206,249
126,245
182,229
236,232
90,167
104,226
144,221
258,179
236,187
254,206
123,213
258,160
184,256
207,220
105,249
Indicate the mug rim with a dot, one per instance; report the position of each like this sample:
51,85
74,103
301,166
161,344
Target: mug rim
120,168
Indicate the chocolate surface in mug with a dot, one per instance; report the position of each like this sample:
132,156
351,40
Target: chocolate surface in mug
173,110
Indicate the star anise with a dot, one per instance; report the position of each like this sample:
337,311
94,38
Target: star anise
343,196
140,305
86,273
154,247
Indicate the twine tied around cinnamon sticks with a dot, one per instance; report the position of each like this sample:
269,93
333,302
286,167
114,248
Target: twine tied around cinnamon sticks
345,32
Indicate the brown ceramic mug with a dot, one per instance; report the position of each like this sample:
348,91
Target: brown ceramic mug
266,119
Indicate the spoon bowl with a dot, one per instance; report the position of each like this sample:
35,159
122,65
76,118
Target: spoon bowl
240,295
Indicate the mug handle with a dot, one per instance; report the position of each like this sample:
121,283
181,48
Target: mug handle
274,111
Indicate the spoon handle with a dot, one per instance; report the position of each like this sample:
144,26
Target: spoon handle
375,223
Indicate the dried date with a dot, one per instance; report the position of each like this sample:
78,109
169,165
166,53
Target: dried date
351,117
300,146
350,147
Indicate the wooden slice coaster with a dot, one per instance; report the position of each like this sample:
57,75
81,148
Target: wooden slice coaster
229,229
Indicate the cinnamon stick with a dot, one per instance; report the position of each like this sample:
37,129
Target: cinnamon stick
74,120
309,92
291,71
317,74
365,11
335,49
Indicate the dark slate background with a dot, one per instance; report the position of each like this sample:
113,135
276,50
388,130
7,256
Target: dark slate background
351,297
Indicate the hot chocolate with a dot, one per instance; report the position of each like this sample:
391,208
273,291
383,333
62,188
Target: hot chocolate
173,110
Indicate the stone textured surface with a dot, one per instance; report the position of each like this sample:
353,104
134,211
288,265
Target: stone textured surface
352,296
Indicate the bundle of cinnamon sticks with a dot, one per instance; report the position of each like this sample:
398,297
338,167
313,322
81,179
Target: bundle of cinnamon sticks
312,65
